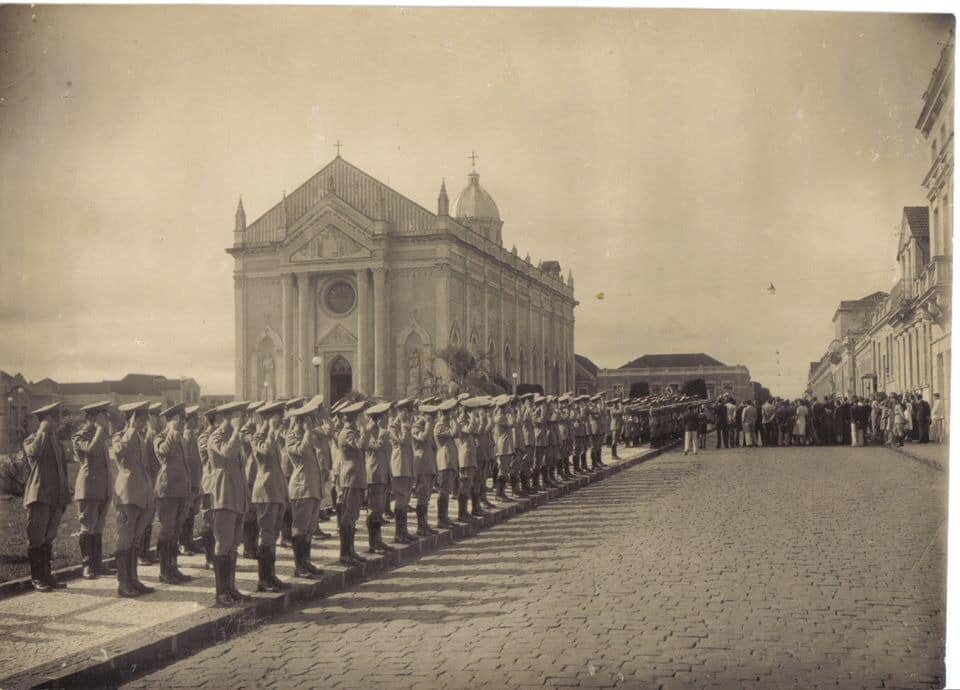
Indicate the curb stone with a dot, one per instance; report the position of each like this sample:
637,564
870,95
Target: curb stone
932,464
159,645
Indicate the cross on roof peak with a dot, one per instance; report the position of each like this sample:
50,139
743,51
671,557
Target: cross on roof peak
473,159
339,146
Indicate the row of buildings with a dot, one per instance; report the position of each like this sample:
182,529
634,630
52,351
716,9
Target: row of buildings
20,397
899,341
668,373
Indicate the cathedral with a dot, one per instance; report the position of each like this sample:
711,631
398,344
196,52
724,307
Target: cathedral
346,284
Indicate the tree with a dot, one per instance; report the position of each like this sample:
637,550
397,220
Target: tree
468,374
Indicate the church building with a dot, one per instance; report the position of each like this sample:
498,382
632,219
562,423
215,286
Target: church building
346,284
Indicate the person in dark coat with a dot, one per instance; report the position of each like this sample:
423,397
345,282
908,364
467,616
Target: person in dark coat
721,414
921,420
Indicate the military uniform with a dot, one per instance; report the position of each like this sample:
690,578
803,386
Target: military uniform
448,461
305,486
206,498
466,428
353,481
153,467
616,423
91,447
425,464
228,494
191,452
133,496
403,473
504,440
526,460
173,492
46,496
269,494
377,463
250,528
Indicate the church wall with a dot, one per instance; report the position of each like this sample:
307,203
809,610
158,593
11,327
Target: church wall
263,344
413,322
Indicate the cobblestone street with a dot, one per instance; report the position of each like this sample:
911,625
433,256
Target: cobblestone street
795,567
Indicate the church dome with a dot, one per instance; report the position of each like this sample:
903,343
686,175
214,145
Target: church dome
475,202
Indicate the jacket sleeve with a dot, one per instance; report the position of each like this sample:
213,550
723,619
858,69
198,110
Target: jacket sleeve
224,447
33,446
121,444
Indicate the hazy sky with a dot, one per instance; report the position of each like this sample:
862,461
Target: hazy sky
678,161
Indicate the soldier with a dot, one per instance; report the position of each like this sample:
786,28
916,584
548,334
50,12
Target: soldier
605,421
402,470
377,463
596,430
425,464
504,425
526,458
353,480
172,490
133,491
448,461
191,451
579,431
46,495
616,424
286,521
250,529
269,494
306,486
541,426
153,466
466,428
228,488
91,447
486,450
206,497
322,439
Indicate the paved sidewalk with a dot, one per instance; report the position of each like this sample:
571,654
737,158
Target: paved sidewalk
934,454
85,634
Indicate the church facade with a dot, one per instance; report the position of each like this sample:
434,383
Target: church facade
346,284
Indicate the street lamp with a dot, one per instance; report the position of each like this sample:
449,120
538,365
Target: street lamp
515,377
316,361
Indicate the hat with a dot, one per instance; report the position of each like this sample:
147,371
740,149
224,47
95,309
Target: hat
598,396
173,411
155,407
339,405
463,396
309,407
564,398
353,408
210,413
96,407
428,409
538,399
252,407
379,408
134,407
271,407
47,409
191,411
406,402
294,402
231,407
473,403
502,400
448,404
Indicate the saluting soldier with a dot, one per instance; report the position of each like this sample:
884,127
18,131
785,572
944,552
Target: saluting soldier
46,495
526,458
616,424
286,520
466,427
228,489
172,489
306,486
269,494
321,441
377,463
153,466
541,426
596,430
91,446
504,426
353,480
250,529
448,461
134,499
191,451
485,453
425,464
579,427
403,473
206,498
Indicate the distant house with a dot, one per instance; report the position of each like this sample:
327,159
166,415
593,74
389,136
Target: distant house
668,373
585,375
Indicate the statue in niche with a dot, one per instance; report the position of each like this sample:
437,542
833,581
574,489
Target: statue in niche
414,371
268,375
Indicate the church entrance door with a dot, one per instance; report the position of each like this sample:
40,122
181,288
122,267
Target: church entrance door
341,379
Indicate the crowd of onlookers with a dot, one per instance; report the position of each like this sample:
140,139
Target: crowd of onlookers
854,421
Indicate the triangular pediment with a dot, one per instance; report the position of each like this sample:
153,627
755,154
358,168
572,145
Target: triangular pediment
337,338
329,236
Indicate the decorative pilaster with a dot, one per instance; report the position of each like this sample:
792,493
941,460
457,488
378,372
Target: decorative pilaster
303,342
240,336
442,336
363,330
381,325
288,301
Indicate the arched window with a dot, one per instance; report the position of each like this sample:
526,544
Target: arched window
523,367
493,359
507,363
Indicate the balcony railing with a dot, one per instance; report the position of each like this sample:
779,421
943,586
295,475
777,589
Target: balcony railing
936,274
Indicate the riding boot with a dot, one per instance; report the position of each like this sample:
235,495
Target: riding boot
186,537
501,493
286,528
372,546
99,567
515,484
163,552
174,562
462,514
352,535
308,560
52,581
535,482
423,529
272,568
221,566
86,556
232,588
475,509
125,587
443,507
345,558
250,539
378,536
299,569
133,558
263,571
143,553
38,572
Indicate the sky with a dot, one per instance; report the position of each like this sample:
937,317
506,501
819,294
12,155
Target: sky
678,162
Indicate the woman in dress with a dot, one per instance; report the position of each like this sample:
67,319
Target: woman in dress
800,425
